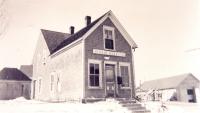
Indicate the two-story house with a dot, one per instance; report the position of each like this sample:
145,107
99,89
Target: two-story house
94,62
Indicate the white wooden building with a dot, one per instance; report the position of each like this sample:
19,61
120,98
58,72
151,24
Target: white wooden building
184,88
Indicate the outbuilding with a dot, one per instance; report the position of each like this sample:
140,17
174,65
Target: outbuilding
184,88
13,84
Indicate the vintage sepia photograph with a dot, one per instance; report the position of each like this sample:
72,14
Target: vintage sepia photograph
99,56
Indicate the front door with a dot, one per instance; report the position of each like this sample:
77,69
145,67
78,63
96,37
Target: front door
110,80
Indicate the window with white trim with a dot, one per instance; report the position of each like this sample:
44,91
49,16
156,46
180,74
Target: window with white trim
125,74
94,73
58,81
109,37
52,82
39,85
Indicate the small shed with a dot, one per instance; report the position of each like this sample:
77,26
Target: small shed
184,88
13,84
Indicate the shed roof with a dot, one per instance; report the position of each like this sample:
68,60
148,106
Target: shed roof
165,83
13,74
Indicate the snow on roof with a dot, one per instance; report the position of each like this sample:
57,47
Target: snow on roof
165,83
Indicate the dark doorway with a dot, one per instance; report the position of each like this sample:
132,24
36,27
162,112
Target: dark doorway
191,95
22,90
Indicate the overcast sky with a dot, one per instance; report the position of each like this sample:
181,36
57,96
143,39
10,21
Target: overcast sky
166,31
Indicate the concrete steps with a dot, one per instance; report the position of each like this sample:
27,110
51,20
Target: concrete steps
133,106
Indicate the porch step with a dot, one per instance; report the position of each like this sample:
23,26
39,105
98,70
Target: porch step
141,111
136,108
92,100
127,101
133,106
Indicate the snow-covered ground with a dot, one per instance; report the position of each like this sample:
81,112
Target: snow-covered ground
21,105
173,107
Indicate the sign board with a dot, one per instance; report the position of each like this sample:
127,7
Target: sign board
110,53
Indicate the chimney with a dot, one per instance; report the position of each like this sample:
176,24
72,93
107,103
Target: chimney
87,20
71,29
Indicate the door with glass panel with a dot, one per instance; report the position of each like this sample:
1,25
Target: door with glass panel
110,80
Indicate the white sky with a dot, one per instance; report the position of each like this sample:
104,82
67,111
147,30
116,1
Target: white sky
163,29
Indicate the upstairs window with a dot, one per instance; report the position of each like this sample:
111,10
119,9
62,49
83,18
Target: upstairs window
109,38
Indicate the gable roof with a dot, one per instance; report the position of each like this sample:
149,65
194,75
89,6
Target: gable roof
53,38
13,74
77,35
165,83
66,39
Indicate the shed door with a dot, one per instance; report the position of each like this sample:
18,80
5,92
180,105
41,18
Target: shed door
110,80
191,95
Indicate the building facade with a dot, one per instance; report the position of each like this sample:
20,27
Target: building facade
183,88
95,62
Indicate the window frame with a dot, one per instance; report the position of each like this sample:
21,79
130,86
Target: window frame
190,91
99,62
129,73
39,85
52,75
58,82
104,37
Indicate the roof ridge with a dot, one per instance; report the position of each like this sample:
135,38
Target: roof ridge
54,31
164,82
78,34
184,74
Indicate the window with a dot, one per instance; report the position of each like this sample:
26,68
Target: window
52,81
125,74
59,82
94,73
109,39
190,92
39,85
191,95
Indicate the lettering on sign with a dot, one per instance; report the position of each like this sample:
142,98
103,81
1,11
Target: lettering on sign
110,53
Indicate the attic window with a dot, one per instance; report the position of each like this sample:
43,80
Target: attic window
109,38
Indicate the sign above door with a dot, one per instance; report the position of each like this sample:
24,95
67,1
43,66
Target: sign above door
110,53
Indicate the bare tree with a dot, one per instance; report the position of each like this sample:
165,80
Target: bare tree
3,17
